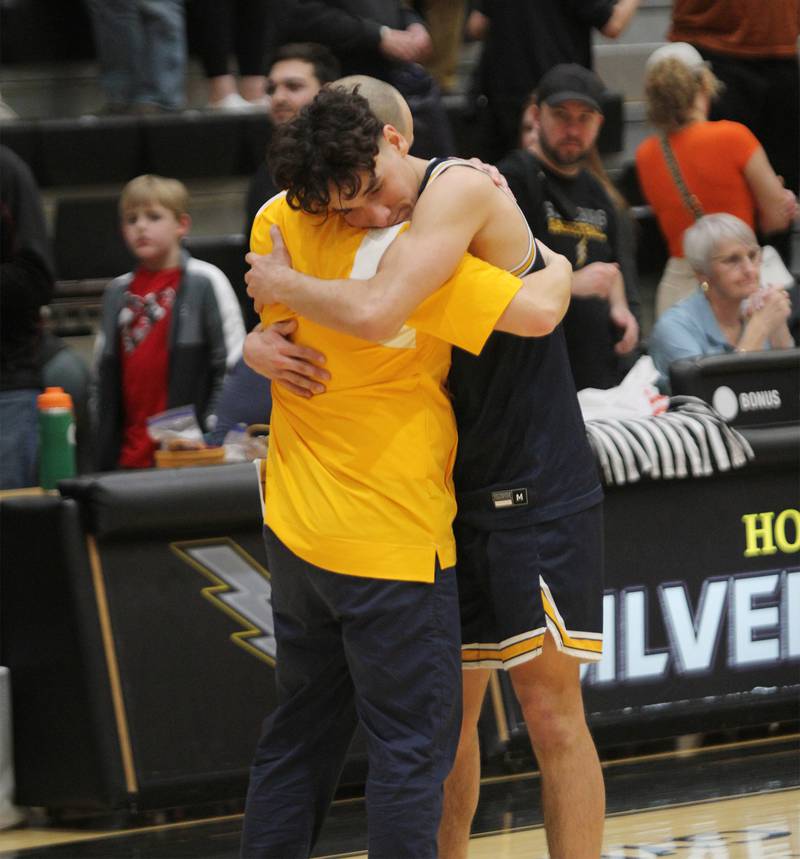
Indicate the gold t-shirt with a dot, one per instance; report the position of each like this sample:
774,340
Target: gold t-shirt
359,479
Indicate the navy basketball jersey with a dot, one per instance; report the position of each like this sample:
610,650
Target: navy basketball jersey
522,455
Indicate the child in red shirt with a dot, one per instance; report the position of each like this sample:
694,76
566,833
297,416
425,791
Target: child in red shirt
168,330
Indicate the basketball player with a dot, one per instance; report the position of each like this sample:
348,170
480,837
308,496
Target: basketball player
529,526
359,506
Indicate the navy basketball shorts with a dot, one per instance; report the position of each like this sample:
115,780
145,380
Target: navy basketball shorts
516,584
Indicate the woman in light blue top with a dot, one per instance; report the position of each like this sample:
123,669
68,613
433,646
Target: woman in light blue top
728,312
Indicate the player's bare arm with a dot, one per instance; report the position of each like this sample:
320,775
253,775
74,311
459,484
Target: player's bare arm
540,305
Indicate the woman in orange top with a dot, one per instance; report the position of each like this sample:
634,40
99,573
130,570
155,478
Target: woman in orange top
722,166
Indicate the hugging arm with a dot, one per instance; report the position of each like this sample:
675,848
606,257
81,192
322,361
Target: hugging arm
418,262
543,300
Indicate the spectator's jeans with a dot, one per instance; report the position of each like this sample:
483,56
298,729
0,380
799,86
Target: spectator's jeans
141,46
19,438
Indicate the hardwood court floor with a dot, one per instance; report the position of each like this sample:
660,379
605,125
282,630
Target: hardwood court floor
734,801
760,825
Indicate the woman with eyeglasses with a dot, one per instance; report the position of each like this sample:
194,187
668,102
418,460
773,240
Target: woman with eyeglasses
693,166
728,311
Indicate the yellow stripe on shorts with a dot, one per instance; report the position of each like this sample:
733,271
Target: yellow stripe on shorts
502,654
591,645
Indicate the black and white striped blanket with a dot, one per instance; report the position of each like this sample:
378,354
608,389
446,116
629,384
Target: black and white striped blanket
690,439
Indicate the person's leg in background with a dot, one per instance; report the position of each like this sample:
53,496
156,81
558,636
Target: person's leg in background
227,27
781,138
433,135
677,281
215,26
764,95
250,43
19,439
117,37
445,20
162,80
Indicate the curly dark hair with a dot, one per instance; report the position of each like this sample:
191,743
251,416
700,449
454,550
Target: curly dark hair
332,141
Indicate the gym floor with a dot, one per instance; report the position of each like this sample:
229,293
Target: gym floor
723,800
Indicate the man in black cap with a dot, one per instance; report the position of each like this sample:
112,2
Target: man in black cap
567,200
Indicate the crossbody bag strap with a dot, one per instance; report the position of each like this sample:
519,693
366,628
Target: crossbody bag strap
689,200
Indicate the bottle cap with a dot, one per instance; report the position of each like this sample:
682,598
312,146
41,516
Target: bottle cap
54,398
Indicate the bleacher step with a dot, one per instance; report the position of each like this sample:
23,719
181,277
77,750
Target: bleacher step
72,89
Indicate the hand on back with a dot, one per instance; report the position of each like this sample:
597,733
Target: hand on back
272,353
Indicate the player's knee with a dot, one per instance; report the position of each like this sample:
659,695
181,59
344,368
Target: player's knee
553,731
553,721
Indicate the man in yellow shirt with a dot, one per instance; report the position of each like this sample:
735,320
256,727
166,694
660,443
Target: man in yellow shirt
359,506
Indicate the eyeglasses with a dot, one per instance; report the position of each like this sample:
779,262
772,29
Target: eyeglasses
737,260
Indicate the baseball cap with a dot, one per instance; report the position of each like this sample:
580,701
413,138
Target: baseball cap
571,82
681,51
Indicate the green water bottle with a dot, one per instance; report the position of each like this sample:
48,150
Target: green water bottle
56,437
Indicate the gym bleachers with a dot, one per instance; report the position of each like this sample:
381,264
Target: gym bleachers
91,156
95,150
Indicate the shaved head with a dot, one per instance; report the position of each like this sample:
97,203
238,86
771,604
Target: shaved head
389,107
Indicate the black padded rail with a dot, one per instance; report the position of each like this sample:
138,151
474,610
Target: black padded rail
179,726
777,359
134,504
753,389
774,445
